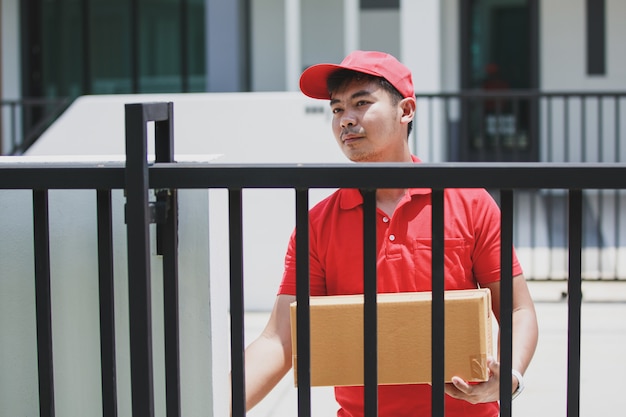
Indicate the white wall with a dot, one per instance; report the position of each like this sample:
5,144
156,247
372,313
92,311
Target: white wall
322,31
268,45
562,44
380,31
421,38
450,32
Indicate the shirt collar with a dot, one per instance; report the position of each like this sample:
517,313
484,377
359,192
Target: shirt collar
351,197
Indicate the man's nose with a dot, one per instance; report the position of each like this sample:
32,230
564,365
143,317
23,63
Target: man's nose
347,119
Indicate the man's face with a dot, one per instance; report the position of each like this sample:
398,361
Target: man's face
368,124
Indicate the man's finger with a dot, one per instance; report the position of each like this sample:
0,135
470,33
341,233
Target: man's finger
453,391
461,384
494,366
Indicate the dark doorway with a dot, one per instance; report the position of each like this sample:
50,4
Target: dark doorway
498,75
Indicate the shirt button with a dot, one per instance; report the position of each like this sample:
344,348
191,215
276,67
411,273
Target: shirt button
392,237
385,219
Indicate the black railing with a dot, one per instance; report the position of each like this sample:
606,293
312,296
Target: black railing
521,126
22,121
136,177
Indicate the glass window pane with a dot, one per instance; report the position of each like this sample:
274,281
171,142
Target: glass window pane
110,47
61,48
159,51
87,47
196,39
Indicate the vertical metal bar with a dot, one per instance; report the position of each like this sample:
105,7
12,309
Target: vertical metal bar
516,143
566,137
600,197
303,291
370,317
550,156
86,47
506,300
534,137
43,303
184,45
602,244
550,222
245,45
135,23
164,134
164,152
533,219
574,292
617,129
438,310
533,38
465,33
431,136
167,240
465,129
138,221
14,143
448,142
498,126
482,126
415,124
600,130
583,128
107,303
617,158
237,341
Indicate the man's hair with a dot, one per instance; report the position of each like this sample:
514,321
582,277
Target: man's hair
343,77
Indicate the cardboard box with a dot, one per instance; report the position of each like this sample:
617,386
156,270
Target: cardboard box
404,337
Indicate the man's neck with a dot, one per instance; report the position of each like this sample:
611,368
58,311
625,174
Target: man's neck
387,199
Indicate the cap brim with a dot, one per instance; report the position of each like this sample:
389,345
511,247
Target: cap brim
313,81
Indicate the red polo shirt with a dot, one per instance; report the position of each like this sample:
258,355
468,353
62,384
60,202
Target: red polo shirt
472,259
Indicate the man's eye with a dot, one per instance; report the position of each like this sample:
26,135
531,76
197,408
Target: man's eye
335,110
361,103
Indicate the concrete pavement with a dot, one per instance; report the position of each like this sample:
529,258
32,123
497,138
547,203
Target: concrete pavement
603,363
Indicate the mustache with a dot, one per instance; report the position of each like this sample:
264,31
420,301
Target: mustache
351,131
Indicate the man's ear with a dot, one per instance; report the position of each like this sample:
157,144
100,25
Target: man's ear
408,105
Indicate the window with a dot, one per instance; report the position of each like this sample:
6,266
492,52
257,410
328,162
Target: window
113,46
596,35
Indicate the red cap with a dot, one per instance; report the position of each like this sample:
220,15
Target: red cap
379,64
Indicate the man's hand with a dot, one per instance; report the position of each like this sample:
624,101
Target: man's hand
483,392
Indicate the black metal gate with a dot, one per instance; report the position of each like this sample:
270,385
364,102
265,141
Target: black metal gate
165,176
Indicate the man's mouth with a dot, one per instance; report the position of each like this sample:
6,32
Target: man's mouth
350,137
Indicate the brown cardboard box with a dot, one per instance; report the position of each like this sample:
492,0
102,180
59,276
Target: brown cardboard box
404,337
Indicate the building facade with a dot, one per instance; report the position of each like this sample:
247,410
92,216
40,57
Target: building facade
56,49
71,48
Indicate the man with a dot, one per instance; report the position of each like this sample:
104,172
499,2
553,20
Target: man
372,101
